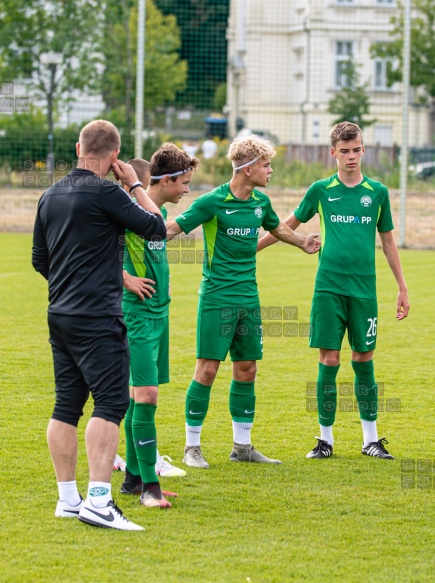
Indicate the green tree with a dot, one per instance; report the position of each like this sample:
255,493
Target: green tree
165,73
352,102
203,25
220,97
30,30
422,47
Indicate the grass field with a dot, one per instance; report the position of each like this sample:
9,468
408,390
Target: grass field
346,519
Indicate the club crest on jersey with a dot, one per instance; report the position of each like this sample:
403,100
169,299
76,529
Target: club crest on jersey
366,200
258,212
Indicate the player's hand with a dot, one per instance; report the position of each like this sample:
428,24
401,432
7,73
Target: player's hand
141,286
125,173
311,244
403,305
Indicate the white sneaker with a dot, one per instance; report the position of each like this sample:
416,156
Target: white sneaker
109,516
119,464
194,458
65,510
166,470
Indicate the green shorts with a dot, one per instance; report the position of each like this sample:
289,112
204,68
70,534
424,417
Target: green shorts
148,339
236,329
331,314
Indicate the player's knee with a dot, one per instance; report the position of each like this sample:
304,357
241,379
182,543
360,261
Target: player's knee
245,371
206,377
206,371
330,357
146,395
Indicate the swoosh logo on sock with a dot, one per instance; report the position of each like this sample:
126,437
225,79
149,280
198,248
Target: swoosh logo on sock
145,442
108,517
193,413
248,412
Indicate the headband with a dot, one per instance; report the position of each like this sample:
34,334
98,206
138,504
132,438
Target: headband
173,174
247,163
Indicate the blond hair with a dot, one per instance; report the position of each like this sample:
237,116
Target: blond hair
99,138
251,148
345,131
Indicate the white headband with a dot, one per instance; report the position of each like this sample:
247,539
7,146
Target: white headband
173,174
247,164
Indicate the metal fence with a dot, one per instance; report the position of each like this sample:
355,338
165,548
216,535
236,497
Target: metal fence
285,69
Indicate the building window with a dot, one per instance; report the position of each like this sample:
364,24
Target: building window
383,135
343,52
345,1
381,75
386,2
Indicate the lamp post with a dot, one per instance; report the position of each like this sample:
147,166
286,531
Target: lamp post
405,120
52,60
238,62
140,73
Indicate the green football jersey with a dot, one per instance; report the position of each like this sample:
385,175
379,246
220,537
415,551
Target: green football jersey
349,218
147,259
231,227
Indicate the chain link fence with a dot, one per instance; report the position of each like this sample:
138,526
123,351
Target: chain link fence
284,69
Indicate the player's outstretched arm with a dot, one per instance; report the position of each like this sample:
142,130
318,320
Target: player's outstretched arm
141,286
268,239
308,243
389,248
172,230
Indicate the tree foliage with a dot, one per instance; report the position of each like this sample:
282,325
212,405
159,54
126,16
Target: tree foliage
203,25
29,29
165,73
422,47
352,102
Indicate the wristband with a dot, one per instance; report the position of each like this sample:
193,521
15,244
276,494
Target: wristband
133,186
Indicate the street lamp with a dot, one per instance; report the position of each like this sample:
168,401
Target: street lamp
140,74
52,60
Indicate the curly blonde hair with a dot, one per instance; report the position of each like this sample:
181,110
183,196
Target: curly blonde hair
243,150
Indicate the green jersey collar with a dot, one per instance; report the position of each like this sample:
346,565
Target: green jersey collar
230,195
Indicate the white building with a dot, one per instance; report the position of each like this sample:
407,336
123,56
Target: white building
286,60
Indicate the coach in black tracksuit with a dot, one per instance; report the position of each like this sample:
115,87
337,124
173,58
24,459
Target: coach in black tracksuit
78,247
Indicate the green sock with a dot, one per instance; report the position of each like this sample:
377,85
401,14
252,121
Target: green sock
130,451
327,394
145,441
197,400
366,390
242,401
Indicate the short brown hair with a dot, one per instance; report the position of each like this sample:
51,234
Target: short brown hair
345,131
243,150
142,169
99,138
169,159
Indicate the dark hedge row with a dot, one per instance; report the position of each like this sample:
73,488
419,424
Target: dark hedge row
28,150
